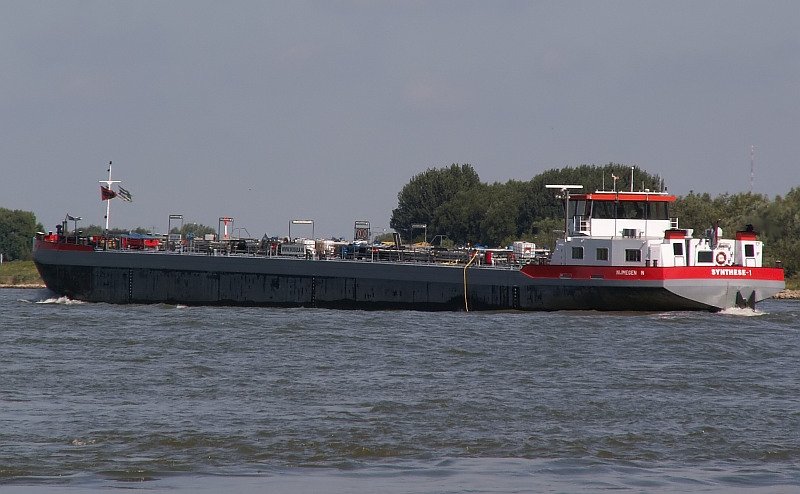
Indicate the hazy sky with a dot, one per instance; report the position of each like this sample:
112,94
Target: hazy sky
272,111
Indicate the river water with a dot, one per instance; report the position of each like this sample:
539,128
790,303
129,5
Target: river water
152,398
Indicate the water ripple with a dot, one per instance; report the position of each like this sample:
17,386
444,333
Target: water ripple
681,401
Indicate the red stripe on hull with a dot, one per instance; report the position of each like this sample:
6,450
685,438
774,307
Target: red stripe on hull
633,273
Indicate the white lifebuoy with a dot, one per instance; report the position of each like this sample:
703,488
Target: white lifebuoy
722,258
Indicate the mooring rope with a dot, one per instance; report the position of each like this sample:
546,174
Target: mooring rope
466,303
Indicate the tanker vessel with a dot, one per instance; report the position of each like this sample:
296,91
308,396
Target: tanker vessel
621,252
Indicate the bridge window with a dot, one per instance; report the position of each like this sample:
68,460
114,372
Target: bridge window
633,255
577,252
628,210
602,254
578,208
749,250
658,210
677,248
631,210
603,210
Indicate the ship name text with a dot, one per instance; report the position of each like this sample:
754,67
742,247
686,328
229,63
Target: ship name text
731,272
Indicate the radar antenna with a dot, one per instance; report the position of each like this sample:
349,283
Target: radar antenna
565,195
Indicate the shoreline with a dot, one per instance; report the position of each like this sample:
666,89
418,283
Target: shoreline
788,295
783,295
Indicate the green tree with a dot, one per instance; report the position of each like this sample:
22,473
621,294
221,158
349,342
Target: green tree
500,223
736,211
695,211
17,229
779,223
547,231
460,218
419,200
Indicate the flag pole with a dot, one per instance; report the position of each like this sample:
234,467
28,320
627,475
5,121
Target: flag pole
108,201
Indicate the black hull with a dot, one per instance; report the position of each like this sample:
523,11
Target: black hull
142,278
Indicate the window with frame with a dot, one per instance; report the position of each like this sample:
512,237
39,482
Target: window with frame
603,209
705,256
602,254
658,210
577,252
749,250
633,255
578,208
677,248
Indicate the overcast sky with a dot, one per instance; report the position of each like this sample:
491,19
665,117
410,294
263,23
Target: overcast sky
272,111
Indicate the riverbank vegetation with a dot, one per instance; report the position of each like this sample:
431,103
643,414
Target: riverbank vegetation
19,273
17,229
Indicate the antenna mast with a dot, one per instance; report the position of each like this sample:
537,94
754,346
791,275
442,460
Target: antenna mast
632,179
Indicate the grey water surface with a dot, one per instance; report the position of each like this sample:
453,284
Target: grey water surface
154,398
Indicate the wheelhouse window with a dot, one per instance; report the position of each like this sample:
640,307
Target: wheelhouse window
577,208
603,210
577,252
658,210
749,250
602,254
633,255
677,248
631,210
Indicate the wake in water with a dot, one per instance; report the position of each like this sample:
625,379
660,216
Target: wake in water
60,301
742,312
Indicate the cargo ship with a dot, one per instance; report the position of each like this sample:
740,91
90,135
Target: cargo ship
621,251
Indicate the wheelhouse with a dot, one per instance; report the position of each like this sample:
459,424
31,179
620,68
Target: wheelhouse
620,214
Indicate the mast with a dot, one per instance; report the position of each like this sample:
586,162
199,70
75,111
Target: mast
632,178
108,183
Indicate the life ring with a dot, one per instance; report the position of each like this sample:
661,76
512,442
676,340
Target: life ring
722,258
